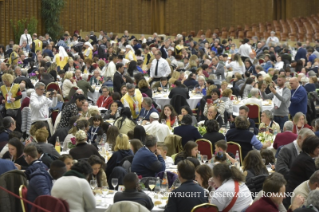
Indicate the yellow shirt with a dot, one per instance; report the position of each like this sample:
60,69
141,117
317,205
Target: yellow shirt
13,59
38,45
130,56
130,100
60,62
178,49
13,90
148,55
90,54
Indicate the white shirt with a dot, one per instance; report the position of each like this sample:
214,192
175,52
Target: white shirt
163,69
262,73
169,160
40,105
254,100
111,69
279,65
273,39
236,67
222,200
158,130
244,50
24,38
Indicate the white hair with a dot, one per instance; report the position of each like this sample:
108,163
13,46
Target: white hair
289,125
29,92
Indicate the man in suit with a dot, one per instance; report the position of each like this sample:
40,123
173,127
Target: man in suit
164,49
118,79
179,90
218,68
178,200
301,52
290,152
299,99
286,137
84,85
186,130
21,76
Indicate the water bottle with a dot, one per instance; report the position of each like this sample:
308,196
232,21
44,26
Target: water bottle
237,163
275,132
176,122
157,185
212,161
117,114
227,125
57,145
164,185
199,158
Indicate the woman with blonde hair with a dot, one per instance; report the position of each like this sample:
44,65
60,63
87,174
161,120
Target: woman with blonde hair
80,124
70,66
11,95
300,122
122,149
42,135
83,149
237,65
68,83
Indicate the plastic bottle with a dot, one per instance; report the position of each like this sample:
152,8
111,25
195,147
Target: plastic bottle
199,157
164,185
275,132
227,125
157,185
237,159
57,145
212,161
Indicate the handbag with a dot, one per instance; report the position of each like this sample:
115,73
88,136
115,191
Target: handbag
232,202
11,112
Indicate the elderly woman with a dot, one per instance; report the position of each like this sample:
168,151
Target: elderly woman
96,78
201,85
70,66
68,83
82,148
267,123
215,101
88,52
241,135
300,122
13,59
11,95
254,99
105,100
130,53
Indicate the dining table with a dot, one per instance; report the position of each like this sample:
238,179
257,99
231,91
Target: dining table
266,105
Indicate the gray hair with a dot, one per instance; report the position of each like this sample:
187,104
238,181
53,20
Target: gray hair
305,132
24,72
289,125
17,67
313,198
272,32
85,77
150,141
148,101
268,114
317,123
130,86
314,177
38,85
254,91
29,92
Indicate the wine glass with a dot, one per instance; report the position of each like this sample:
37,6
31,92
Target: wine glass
61,145
264,161
114,181
110,147
163,121
165,90
154,90
151,184
105,190
205,158
239,98
93,184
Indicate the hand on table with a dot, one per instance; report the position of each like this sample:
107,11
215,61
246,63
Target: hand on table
18,166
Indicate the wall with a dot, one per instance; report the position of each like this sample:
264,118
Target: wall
296,8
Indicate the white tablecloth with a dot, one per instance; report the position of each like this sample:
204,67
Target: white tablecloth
162,100
264,107
94,96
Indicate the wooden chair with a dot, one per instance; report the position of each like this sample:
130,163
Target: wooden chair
53,86
54,114
232,147
200,32
208,33
205,147
23,194
254,112
205,207
241,34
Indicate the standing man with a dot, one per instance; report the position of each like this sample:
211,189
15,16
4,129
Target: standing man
281,99
40,104
298,99
133,99
245,50
26,37
36,44
218,68
159,68
301,52
164,48
111,68
118,79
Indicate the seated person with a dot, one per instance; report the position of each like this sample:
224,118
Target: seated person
244,137
300,122
96,78
212,132
179,90
213,114
190,150
186,175
161,85
254,99
160,131
186,130
191,82
243,111
148,160
221,146
147,109
168,159
113,112
187,110
253,165
286,137
15,154
125,122
131,193
98,174
267,123
168,113
215,101
105,100
290,152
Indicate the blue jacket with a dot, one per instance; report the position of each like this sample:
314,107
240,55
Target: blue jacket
146,114
40,183
190,83
146,163
33,167
310,87
187,132
116,159
6,165
4,137
48,52
267,66
301,53
299,100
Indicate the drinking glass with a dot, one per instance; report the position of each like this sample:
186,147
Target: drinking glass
251,129
154,90
264,161
105,190
177,184
165,90
110,147
93,184
163,121
239,98
114,181
61,145
151,184
205,158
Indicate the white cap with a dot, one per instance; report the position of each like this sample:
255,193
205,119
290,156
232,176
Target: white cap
154,115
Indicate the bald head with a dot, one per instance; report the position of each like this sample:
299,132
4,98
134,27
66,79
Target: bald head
294,83
153,49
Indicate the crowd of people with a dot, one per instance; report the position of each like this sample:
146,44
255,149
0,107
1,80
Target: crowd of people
45,100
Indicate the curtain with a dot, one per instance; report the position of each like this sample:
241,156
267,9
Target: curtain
279,9
158,14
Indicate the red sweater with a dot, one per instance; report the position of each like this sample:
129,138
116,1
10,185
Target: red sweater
264,204
104,102
284,138
305,126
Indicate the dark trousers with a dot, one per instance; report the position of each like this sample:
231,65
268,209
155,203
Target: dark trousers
243,59
281,121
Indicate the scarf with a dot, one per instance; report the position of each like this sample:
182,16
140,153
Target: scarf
74,173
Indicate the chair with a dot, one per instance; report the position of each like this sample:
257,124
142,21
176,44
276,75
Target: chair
26,120
89,77
23,194
126,206
261,61
205,147
205,207
53,86
254,112
174,156
54,114
233,147
50,203
174,144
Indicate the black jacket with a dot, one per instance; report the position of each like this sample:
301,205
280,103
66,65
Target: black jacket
27,80
164,55
179,91
118,82
147,91
134,196
213,137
